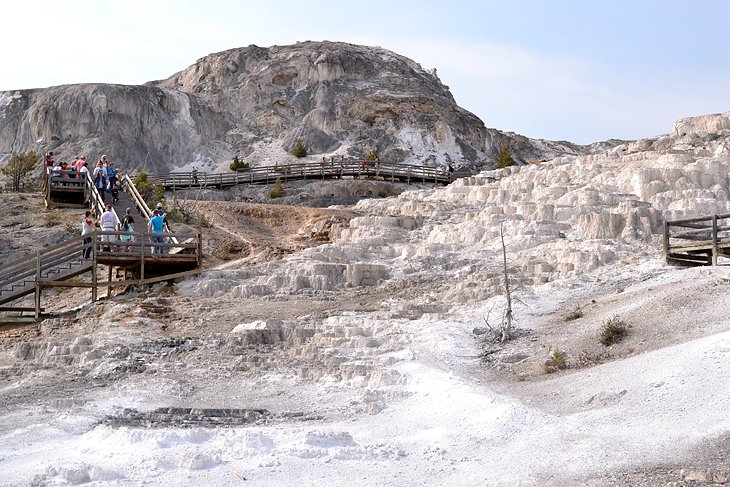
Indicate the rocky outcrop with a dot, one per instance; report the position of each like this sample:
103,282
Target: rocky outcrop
143,125
340,99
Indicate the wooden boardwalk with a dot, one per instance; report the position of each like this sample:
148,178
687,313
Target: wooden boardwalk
697,241
388,171
80,261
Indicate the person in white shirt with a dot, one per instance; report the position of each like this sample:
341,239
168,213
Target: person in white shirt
109,222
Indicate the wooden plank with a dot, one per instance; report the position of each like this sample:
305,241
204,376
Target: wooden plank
21,309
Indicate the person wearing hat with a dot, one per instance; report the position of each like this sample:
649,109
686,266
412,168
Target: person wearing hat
161,211
156,225
109,222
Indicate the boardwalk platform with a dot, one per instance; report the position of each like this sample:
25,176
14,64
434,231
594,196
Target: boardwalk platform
81,262
697,241
388,171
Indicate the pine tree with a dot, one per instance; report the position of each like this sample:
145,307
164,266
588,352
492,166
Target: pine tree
299,149
504,158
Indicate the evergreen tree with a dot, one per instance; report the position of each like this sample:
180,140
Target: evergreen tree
278,190
238,164
299,149
504,158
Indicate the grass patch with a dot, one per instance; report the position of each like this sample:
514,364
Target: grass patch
52,219
558,360
575,314
613,331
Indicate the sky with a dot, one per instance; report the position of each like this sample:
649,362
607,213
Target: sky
571,70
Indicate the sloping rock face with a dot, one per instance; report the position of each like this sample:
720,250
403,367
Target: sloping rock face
144,126
339,99
561,219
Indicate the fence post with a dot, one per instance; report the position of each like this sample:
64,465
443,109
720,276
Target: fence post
665,241
200,250
109,286
38,286
715,250
141,257
94,279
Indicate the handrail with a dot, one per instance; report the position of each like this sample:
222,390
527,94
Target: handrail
55,265
131,189
267,174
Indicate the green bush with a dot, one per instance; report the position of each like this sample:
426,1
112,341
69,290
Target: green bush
238,164
151,193
299,149
558,360
504,158
372,156
278,190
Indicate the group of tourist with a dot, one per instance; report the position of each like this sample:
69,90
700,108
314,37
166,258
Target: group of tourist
105,175
112,227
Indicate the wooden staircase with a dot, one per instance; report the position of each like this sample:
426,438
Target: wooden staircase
57,263
127,263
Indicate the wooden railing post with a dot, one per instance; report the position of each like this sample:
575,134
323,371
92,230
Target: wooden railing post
38,286
715,250
200,250
665,241
94,278
141,257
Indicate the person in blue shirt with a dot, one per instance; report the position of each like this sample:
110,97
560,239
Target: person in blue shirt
111,173
156,225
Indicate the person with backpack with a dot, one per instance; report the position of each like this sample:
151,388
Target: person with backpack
127,226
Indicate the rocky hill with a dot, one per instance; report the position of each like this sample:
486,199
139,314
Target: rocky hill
339,99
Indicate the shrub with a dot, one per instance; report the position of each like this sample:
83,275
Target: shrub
557,360
238,164
372,155
575,314
151,193
588,359
299,149
613,331
504,158
278,190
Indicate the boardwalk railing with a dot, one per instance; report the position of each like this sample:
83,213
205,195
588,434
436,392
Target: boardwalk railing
149,257
697,241
388,171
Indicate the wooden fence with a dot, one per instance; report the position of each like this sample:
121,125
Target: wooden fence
697,241
388,171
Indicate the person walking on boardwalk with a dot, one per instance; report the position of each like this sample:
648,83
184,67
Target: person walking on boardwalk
156,225
127,226
87,228
112,175
109,223
99,176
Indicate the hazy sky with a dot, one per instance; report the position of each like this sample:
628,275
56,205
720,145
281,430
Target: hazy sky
557,69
